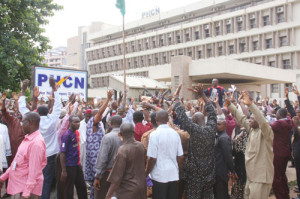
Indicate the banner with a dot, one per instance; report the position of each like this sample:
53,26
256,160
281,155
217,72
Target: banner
76,83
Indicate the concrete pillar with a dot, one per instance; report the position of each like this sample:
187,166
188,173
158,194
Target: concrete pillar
180,74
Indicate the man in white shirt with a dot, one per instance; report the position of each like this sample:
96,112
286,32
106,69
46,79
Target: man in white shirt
82,134
48,129
5,149
165,157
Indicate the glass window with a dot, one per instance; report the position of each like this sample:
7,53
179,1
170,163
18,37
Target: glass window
240,26
199,54
252,23
197,35
266,20
209,54
178,39
274,88
242,47
286,64
220,50
283,41
217,31
280,17
269,43
187,37
228,28
231,49
161,43
207,33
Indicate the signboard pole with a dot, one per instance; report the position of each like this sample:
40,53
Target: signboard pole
124,59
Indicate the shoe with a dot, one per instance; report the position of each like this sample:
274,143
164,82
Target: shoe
6,195
292,166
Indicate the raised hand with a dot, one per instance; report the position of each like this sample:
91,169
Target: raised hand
198,89
295,90
52,83
25,84
226,101
247,99
286,92
110,93
36,92
72,98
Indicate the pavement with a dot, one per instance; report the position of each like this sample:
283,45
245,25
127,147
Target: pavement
290,172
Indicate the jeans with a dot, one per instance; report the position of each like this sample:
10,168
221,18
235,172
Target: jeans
48,173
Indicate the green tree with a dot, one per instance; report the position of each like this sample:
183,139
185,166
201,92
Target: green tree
22,42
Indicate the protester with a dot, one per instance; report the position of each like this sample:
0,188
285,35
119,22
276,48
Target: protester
281,148
48,124
165,157
216,90
140,128
94,135
224,161
199,168
128,176
259,150
108,149
25,174
72,173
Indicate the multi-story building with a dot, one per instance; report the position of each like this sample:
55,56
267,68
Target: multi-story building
56,57
76,45
260,32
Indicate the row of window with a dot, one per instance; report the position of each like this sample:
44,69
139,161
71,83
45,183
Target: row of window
248,44
236,24
275,87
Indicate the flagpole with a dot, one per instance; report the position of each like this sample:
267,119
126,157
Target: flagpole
124,59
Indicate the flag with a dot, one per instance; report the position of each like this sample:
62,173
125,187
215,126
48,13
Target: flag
121,5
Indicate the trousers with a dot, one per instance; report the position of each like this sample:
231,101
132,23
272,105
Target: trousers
280,181
255,190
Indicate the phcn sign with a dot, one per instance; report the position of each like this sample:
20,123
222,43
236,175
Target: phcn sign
151,12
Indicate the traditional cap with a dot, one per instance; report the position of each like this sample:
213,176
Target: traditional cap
63,113
88,111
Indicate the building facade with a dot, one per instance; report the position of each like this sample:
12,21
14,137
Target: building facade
56,57
263,32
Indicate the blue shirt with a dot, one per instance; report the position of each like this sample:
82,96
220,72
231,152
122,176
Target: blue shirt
69,146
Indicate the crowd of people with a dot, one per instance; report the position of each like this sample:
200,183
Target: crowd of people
162,147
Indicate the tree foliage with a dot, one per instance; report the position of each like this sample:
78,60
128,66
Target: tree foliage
22,42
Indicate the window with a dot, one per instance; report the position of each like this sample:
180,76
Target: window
242,47
164,59
252,23
228,28
153,43
176,81
286,64
255,45
231,49
190,54
220,50
147,46
217,31
272,63
132,47
207,33
187,37
274,88
197,35
269,43
161,43
280,17
142,62
209,54
199,54
240,26
170,40
178,38
156,60
266,20
283,41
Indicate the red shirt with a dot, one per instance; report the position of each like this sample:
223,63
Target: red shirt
140,129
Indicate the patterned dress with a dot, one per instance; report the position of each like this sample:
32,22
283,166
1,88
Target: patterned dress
199,167
93,141
239,147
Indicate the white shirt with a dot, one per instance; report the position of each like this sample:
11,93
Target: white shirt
82,132
6,150
48,124
165,146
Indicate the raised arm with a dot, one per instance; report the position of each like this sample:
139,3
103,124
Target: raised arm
239,116
98,116
287,102
22,102
57,103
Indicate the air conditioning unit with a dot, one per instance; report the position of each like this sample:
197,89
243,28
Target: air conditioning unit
206,26
240,19
220,45
252,16
218,24
228,21
279,9
243,41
